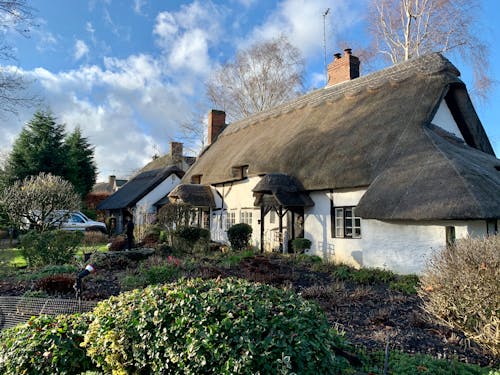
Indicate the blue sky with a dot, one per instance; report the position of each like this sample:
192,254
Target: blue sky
128,72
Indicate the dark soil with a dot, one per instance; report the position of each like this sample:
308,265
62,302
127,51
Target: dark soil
369,315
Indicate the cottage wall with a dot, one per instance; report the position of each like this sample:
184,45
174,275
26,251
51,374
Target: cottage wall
144,207
444,119
401,246
237,197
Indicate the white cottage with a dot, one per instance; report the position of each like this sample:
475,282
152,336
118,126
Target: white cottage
377,171
141,196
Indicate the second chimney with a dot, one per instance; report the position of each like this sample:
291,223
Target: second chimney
176,150
343,68
216,123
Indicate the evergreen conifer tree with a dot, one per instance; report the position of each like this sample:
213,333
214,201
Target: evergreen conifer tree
39,148
81,167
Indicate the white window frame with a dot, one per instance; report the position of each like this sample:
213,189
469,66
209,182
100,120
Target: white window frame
246,217
345,222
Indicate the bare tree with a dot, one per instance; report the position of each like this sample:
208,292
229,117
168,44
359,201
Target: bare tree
193,130
37,200
260,77
404,29
14,15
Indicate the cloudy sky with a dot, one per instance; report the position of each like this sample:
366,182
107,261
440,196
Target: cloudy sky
128,72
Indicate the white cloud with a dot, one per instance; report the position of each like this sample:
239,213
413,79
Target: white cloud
185,36
81,49
302,22
124,108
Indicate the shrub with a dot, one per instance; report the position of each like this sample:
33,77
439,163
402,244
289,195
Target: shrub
53,247
45,345
189,239
56,284
460,287
211,327
239,236
118,244
299,245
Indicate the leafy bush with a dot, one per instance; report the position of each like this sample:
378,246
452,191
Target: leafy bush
189,239
239,236
224,326
45,345
300,244
53,247
460,287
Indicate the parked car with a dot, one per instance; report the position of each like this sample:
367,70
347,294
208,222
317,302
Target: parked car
77,220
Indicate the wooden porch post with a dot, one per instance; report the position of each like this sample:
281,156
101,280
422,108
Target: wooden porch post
262,215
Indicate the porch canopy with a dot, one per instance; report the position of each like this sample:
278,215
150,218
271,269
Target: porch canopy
278,189
194,194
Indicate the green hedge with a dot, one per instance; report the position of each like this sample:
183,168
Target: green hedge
45,345
52,247
227,326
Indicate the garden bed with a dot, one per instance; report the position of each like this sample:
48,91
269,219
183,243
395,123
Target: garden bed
366,308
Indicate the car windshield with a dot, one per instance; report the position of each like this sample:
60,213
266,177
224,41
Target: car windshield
83,215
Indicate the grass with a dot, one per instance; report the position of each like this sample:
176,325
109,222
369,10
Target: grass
11,257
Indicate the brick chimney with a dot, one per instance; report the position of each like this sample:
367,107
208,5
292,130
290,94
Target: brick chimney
216,123
343,68
176,150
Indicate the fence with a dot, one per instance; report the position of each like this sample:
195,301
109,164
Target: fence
15,310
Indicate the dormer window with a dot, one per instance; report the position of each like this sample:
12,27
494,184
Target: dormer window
196,179
240,172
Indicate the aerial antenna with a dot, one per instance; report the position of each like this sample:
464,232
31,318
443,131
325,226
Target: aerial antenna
324,42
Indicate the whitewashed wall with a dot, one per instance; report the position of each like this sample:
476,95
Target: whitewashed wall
403,247
236,197
444,119
145,205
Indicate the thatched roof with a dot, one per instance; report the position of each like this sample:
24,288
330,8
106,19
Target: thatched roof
138,187
195,195
371,131
286,190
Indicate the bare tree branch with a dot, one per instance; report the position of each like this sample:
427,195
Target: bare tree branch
260,77
404,29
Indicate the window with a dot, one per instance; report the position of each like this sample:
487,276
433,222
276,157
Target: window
196,179
246,217
345,223
450,236
491,227
230,219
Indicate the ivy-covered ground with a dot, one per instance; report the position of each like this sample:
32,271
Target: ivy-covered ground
371,307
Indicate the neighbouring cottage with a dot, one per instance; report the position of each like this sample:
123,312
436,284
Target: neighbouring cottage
377,171
141,196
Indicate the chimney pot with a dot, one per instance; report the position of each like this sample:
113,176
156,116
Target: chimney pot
348,51
216,124
337,55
